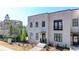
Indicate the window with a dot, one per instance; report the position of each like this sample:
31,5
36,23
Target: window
75,22
58,37
31,34
43,23
36,36
36,25
58,25
31,25
75,39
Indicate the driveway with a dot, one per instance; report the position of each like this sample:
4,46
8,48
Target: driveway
2,48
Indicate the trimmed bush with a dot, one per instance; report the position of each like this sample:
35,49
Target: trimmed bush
62,47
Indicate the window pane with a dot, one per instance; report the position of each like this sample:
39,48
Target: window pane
31,25
75,22
36,36
43,23
36,24
58,25
58,37
54,37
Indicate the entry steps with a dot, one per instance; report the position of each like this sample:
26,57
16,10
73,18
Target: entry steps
38,47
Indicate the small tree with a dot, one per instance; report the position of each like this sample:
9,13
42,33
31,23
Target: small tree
23,35
26,34
10,28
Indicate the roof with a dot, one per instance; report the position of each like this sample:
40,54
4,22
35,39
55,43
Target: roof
38,14
55,12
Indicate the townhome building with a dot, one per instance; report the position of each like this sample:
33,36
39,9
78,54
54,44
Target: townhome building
59,28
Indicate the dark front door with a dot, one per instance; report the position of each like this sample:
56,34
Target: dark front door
75,39
43,39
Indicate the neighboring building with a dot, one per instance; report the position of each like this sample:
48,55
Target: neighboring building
56,28
7,17
4,25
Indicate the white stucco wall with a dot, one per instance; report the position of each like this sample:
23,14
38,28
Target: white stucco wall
37,18
66,18
75,14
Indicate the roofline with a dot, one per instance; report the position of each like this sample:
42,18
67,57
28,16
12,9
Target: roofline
74,9
61,11
38,14
55,12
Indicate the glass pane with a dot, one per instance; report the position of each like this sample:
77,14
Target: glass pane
43,24
75,38
56,25
58,37
60,25
54,37
75,22
36,36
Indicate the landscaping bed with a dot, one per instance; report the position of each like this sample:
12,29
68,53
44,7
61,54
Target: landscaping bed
16,47
52,48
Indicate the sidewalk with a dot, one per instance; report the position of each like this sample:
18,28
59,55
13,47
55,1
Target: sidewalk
2,48
73,48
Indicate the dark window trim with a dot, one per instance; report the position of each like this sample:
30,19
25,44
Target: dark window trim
58,21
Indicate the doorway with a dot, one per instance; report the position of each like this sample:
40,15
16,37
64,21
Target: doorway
43,39
75,39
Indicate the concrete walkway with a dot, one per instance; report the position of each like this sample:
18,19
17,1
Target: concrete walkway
74,48
2,48
38,47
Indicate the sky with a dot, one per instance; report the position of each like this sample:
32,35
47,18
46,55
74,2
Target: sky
22,13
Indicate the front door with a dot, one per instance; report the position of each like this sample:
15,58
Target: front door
43,39
75,40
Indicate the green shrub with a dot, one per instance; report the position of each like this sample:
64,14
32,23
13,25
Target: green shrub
1,36
18,39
